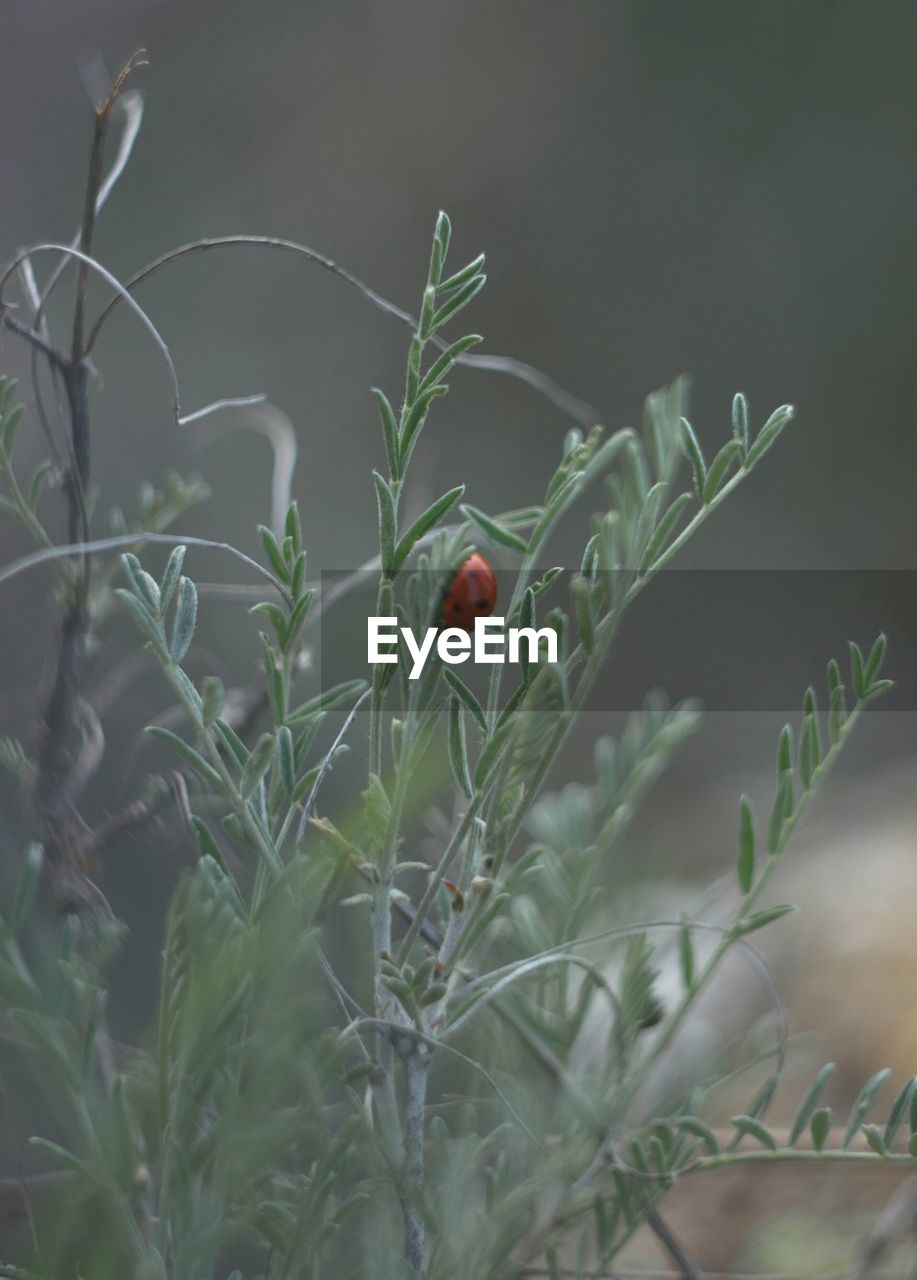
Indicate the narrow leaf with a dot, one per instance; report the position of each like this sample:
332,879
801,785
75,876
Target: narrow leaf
755,1129
861,1107
185,619
761,919
466,697
497,533
170,576
257,764
719,469
695,455
820,1127
808,1104
204,771
433,514
745,866
458,753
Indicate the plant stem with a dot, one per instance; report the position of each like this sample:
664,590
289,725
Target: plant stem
417,1069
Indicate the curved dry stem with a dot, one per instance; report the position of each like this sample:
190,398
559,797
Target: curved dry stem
277,429
326,764
132,103
122,293
519,968
577,409
133,540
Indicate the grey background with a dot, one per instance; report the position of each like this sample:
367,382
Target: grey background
720,188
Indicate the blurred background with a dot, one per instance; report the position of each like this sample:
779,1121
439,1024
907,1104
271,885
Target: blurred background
721,189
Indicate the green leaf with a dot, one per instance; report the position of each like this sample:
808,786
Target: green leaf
873,1135
877,688
204,771
466,697
231,740
497,533
783,805
697,1129
274,681
458,752
860,1108
389,432
143,584
11,421
171,575
686,953
213,696
784,752
768,434
332,697
582,611
837,714
292,526
433,514
285,759
414,421
665,529
857,670
719,469
876,657
755,1129
820,1127
377,810
695,455
26,887
257,764
277,617
810,1100
492,748
37,483
185,619
745,866
206,843
68,1160
273,553
455,281
740,420
387,520
761,919
901,1108
145,622
444,363
460,299
298,616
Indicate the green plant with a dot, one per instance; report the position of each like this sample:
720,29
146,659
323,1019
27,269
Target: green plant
282,1107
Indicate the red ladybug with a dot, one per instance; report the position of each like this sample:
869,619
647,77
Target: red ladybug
473,594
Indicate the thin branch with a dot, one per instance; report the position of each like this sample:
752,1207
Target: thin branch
145,320
326,764
667,1238
132,540
58,358
577,409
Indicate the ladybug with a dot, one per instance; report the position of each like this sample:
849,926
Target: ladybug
473,594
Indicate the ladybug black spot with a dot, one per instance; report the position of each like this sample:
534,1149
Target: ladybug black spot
480,604
456,607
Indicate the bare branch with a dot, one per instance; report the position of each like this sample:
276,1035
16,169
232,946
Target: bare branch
57,357
134,540
138,311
